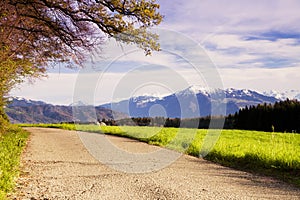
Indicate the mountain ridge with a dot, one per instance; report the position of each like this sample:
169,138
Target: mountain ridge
22,110
194,101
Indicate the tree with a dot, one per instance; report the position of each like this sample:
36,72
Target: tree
283,116
36,33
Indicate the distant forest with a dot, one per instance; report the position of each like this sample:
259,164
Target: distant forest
283,116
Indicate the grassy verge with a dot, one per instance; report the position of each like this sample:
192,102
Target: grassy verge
12,142
274,154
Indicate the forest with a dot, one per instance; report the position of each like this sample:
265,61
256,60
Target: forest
283,116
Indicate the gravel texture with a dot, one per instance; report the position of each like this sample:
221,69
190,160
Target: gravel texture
56,165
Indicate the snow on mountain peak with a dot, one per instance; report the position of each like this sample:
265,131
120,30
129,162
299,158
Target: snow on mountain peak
290,94
198,88
143,100
195,89
239,92
247,92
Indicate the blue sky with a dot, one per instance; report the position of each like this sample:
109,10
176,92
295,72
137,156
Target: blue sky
251,44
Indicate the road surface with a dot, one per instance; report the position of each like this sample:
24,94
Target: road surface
56,165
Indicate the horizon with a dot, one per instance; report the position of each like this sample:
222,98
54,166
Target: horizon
294,94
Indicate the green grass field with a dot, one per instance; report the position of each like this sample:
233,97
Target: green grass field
12,142
276,154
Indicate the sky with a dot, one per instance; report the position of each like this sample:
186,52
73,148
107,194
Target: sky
213,43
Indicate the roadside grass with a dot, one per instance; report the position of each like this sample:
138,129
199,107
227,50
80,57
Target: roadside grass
12,142
273,154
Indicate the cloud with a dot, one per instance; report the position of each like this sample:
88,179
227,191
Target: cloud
282,79
237,51
57,89
177,51
275,35
204,16
236,34
240,33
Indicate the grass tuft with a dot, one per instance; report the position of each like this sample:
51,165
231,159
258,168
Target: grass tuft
12,142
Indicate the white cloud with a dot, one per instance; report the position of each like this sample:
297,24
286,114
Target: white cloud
57,89
282,79
235,51
227,24
177,51
205,16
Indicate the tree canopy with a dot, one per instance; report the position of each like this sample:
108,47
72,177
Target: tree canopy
45,30
35,33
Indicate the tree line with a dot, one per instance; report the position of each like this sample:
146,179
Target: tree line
200,123
283,116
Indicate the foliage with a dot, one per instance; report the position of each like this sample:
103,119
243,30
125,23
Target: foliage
46,30
38,33
12,142
12,72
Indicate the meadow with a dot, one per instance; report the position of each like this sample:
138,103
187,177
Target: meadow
275,154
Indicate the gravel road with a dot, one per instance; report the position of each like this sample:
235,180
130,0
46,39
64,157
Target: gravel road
56,165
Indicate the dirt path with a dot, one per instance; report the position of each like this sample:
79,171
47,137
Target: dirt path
56,165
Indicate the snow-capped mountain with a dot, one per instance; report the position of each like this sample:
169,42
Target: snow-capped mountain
194,101
290,94
195,89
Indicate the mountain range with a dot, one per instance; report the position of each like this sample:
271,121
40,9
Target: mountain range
192,102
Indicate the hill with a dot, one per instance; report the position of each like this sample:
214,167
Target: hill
28,111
